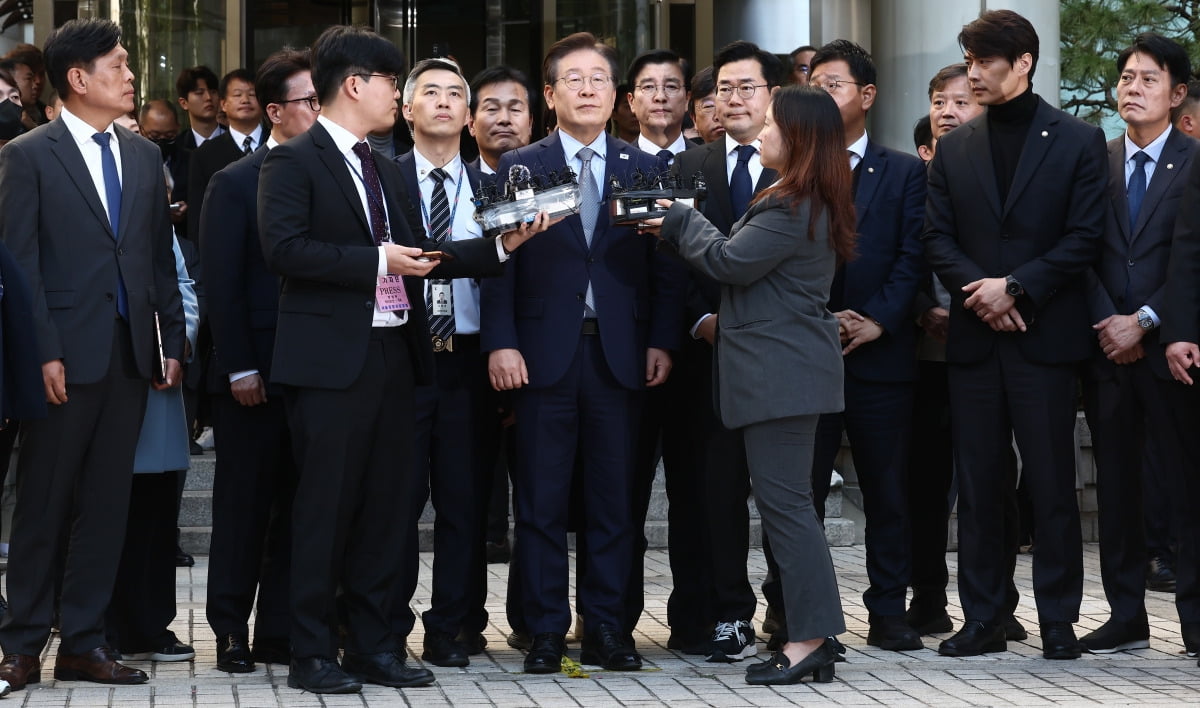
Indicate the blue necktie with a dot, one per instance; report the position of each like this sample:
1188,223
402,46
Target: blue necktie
1137,188
741,189
112,192
666,156
589,209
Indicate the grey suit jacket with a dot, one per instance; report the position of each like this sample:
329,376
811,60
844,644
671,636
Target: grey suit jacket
778,353
56,227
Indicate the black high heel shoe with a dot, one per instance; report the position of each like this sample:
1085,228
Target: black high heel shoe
779,670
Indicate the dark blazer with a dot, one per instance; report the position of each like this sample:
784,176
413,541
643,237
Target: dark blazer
408,169
1046,235
882,281
22,395
1181,296
777,349
1132,268
537,306
315,234
204,162
56,227
243,300
704,293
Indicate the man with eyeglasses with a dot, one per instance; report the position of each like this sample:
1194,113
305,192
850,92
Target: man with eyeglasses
256,472
703,106
659,98
872,297
745,77
580,324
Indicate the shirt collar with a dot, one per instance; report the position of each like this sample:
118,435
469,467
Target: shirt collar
239,138
731,144
424,166
81,131
342,138
272,143
859,147
646,146
571,146
1154,149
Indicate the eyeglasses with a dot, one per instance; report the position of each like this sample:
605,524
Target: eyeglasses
574,82
832,85
745,91
651,90
390,77
313,104
802,68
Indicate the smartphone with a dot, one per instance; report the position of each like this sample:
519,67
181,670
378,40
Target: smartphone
435,256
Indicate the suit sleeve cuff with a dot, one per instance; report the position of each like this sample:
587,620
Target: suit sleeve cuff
235,376
699,322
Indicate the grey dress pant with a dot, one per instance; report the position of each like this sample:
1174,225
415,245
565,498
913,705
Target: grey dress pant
779,454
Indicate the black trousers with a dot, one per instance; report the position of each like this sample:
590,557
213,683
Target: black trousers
1183,402
251,546
72,500
453,433
354,446
991,401
143,601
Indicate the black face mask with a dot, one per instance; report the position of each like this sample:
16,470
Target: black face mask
167,146
10,120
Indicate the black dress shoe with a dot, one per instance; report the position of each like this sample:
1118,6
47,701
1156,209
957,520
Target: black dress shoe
834,646
1160,576
519,639
442,649
272,650
183,559
1191,638
604,646
473,642
935,621
1059,642
892,633
1014,631
233,654
545,654
1114,636
973,639
386,668
317,674
498,552
779,671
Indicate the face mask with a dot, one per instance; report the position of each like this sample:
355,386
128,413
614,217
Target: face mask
10,120
167,146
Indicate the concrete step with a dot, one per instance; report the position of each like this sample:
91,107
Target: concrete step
201,472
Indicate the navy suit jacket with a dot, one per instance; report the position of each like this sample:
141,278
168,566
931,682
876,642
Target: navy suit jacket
537,305
882,281
408,170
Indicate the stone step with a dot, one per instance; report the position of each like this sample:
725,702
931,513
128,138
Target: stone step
200,473
195,539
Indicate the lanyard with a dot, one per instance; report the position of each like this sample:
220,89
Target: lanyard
453,210
371,197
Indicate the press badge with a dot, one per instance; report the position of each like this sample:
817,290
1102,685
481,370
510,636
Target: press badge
440,294
390,295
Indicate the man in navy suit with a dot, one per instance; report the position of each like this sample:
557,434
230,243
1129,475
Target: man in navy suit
581,322
872,297
453,421
1125,405
256,473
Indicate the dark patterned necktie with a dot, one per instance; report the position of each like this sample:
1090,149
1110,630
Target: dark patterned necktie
370,177
246,145
441,326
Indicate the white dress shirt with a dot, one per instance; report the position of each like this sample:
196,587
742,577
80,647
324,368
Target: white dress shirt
90,149
858,150
676,147
571,147
255,136
200,139
463,226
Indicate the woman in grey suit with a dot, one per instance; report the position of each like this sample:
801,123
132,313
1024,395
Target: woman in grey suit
778,357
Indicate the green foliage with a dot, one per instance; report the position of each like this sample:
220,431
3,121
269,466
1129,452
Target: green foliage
1094,32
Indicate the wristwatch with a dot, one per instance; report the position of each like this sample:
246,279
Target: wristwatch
1145,321
1012,286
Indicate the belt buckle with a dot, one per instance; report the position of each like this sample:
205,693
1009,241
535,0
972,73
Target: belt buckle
443,345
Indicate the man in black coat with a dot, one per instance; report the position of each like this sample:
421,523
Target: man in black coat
1014,217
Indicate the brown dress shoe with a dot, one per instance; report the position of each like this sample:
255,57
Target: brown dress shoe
98,665
19,670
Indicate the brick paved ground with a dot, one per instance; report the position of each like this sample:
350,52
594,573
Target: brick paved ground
1020,676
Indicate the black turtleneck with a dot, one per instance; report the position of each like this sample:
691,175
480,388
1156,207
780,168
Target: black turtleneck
1008,125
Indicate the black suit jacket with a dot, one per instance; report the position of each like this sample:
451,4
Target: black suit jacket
315,234
704,293
1132,268
56,227
1046,234
204,162
408,169
882,281
22,395
243,300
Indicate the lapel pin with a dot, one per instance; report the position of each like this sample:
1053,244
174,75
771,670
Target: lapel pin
1045,134
871,170
624,156
1170,165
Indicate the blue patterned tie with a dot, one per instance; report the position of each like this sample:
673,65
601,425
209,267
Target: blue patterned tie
112,193
589,209
439,227
1137,188
741,189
